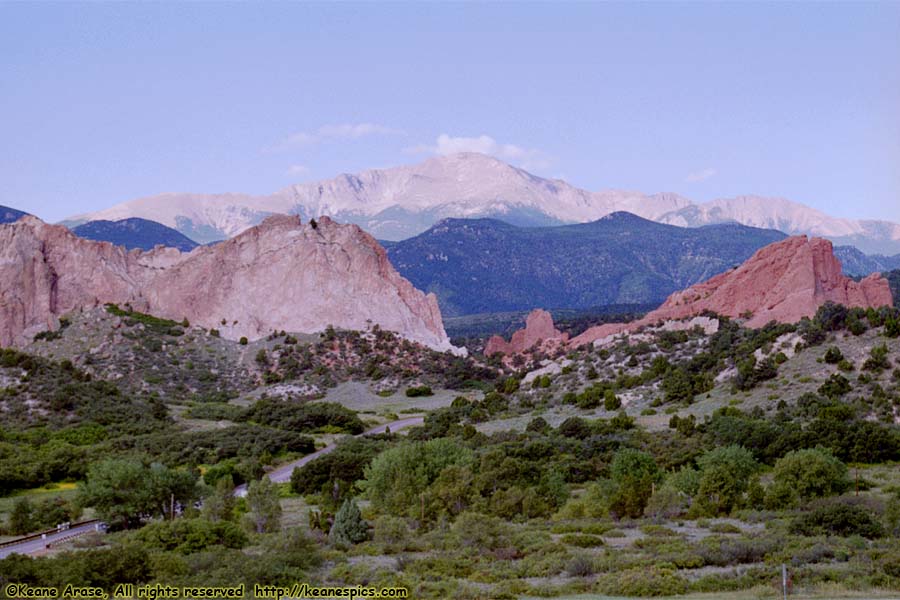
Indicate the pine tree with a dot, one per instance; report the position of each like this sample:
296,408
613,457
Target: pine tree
349,526
265,509
219,505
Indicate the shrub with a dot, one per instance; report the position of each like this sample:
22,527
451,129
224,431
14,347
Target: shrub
809,473
417,391
643,582
611,401
580,565
837,519
188,536
582,540
724,477
724,528
349,526
243,341
391,533
833,355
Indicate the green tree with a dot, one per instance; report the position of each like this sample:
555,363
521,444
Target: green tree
809,473
117,489
397,477
123,492
21,519
264,507
634,473
349,527
724,477
219,504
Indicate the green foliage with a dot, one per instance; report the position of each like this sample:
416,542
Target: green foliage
833,355
510,385
335,475
220,503
877,360
418,391
21,519
124,492
634,473
264,514
160,326
398,476
187,536
838,518
809,473
724,477
391,533
304,417
611,401
349,527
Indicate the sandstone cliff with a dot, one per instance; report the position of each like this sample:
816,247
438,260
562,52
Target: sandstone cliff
280,275
783,282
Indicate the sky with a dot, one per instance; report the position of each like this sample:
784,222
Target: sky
105,102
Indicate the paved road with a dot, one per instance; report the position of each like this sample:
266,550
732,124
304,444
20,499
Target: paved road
35,546
283,473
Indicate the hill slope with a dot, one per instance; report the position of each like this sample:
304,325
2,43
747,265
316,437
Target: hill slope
135,233
9,215
854,262
484,265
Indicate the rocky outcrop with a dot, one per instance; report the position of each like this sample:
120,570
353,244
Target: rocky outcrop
280,275
539,331
783,282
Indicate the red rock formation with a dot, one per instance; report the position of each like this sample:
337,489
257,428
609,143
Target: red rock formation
783,282
280,275
539,329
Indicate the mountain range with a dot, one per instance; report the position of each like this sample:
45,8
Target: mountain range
400,202
486,265
135,232
856,262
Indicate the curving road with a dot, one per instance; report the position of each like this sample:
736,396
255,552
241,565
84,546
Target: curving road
283,473
38,545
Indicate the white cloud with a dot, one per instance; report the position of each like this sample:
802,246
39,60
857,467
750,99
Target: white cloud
528,158
343,131
298,170
700,176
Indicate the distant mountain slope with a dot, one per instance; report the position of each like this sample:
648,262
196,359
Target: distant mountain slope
397,203
854,262
484,265
8,215
400,202
792,218
135,233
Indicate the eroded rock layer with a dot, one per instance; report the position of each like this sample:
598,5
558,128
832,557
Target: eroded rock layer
280,275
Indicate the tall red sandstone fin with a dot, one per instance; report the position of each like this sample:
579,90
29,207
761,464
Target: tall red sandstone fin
539,331
279,275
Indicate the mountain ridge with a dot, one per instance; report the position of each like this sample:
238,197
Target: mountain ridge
135,233
485,265
400,202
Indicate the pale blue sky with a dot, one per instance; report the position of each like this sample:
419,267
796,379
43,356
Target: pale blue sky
104,102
